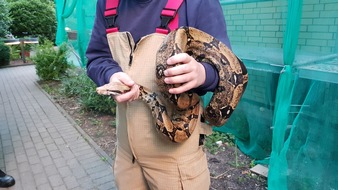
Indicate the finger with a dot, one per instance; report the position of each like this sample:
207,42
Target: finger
179,79
121,98
125,79
178,70
128,96
122,78
183,88
136,88
179,58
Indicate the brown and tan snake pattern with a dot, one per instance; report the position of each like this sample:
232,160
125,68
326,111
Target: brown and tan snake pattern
180,124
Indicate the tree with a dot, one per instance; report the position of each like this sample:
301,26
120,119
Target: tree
5,20
34,18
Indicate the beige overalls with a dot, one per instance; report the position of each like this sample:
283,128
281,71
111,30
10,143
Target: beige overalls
144,159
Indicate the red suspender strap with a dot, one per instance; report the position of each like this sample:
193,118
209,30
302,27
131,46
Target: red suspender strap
169,17
110,15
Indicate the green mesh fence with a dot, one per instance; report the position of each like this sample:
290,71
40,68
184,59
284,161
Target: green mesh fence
75,21
288,116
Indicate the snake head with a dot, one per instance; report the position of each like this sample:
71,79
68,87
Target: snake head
113,88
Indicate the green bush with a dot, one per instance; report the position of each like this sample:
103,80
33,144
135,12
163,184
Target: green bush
211,141
15,52
78,84
51,63
33,18
5,54
5,19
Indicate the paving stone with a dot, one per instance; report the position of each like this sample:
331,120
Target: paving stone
31,151
27,180
46,161
44,187
55,180
65,171
62,187
34,159
71,182
37,169
51,170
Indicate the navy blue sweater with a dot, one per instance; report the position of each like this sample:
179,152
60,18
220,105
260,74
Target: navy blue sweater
140,18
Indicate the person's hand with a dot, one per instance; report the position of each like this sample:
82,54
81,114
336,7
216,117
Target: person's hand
190,73
133,94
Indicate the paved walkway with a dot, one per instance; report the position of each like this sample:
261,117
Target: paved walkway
39,146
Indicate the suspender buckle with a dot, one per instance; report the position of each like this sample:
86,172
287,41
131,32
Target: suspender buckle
110,21
165,21
110,17
167,15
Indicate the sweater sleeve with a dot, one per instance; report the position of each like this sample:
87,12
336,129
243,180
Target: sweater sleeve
208,17
100,65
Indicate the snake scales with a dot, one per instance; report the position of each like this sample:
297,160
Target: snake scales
233,78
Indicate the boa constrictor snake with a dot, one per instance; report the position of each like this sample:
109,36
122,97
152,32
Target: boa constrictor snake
233,78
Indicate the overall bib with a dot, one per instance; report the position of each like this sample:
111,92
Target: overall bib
144,158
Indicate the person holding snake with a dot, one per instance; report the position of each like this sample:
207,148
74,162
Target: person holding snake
138,53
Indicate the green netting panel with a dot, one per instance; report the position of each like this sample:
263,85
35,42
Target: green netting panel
289,112
304,153
75,21
310,154
277,179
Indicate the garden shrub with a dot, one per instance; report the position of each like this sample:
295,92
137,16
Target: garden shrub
51,63
79,85
211,141
33,18
15,52
5,54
